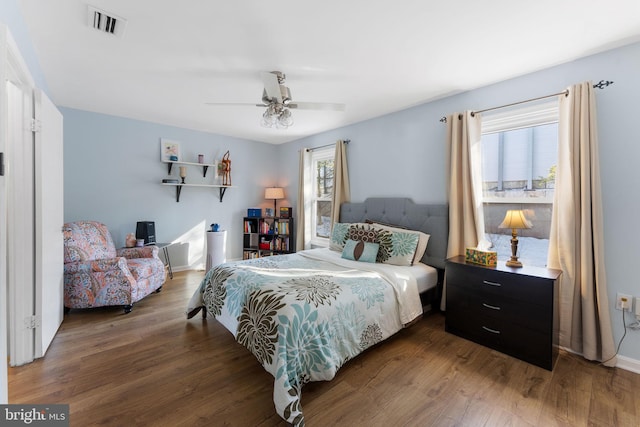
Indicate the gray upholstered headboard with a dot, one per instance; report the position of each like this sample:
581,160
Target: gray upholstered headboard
430,219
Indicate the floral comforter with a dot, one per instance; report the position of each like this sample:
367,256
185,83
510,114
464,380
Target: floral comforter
304,315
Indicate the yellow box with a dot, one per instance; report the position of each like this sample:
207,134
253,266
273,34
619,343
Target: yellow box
477,256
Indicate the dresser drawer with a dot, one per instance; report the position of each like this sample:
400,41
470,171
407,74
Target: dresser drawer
470,304
515,340
484,281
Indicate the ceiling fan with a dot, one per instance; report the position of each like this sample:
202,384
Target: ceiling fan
276,98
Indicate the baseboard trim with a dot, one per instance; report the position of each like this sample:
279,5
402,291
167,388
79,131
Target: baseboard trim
622,362
628,364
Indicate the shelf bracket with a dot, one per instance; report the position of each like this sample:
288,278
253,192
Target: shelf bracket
169,168
204,171
178,190
222,191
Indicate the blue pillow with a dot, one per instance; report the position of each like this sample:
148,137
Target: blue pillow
357,250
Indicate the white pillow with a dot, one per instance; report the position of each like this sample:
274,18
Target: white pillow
403,247
339,235
423,239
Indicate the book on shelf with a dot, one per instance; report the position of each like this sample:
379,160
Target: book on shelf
249,227
281,244
249,255
283,227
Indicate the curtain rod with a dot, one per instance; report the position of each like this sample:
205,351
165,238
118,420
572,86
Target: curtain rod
346,141
600,85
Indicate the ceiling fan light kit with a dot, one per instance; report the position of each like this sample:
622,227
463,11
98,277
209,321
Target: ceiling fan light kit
276,97
278,116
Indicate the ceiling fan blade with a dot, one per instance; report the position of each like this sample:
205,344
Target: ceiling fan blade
272,86
316,106
235,104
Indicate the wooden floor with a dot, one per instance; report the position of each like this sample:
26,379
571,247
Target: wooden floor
153,367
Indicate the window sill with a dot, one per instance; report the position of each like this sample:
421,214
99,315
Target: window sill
320,243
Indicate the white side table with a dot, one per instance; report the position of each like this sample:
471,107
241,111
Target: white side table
216,248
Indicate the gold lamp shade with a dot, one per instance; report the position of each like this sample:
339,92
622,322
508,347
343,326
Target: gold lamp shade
514,219
275,193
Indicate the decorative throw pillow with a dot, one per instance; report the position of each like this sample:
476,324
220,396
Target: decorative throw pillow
367,233
360,251
363,232
403,248
339,235
423,238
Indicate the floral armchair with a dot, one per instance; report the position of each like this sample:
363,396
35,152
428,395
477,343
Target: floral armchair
96,274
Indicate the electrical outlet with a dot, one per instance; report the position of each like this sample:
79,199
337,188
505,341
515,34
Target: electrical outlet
623,302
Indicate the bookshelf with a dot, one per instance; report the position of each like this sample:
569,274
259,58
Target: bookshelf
267,236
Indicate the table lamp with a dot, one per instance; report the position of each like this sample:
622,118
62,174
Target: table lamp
514,219
274,193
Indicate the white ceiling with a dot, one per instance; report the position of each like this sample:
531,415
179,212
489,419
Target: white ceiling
375,56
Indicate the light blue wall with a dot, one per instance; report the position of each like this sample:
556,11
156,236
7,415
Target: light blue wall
11,16
403,154
113,172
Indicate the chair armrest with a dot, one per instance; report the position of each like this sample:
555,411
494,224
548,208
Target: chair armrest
100,265
98,283
138,252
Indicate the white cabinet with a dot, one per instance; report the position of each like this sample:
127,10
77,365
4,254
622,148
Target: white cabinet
216,248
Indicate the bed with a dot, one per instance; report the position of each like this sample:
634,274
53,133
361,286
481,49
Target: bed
304,315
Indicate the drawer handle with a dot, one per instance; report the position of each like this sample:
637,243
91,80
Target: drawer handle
492,307
493,331
486,282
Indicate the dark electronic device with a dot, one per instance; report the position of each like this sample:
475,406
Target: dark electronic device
146,230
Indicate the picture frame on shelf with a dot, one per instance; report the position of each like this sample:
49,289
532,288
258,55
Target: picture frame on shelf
285,212
169,150
268,212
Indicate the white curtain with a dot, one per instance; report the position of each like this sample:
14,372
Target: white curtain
303,206
466,215
341,190
576,243
464,157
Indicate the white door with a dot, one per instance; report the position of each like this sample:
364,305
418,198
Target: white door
20,224
4,323
49,260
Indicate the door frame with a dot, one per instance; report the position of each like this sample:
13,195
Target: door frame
14,69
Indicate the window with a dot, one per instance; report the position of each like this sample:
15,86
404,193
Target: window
519,157
322,181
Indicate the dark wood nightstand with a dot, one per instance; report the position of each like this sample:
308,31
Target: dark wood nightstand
512,310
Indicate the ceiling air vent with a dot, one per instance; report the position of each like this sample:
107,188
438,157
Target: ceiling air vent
106,22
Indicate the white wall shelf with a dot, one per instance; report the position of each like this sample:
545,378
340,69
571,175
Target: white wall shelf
223,188
205,166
